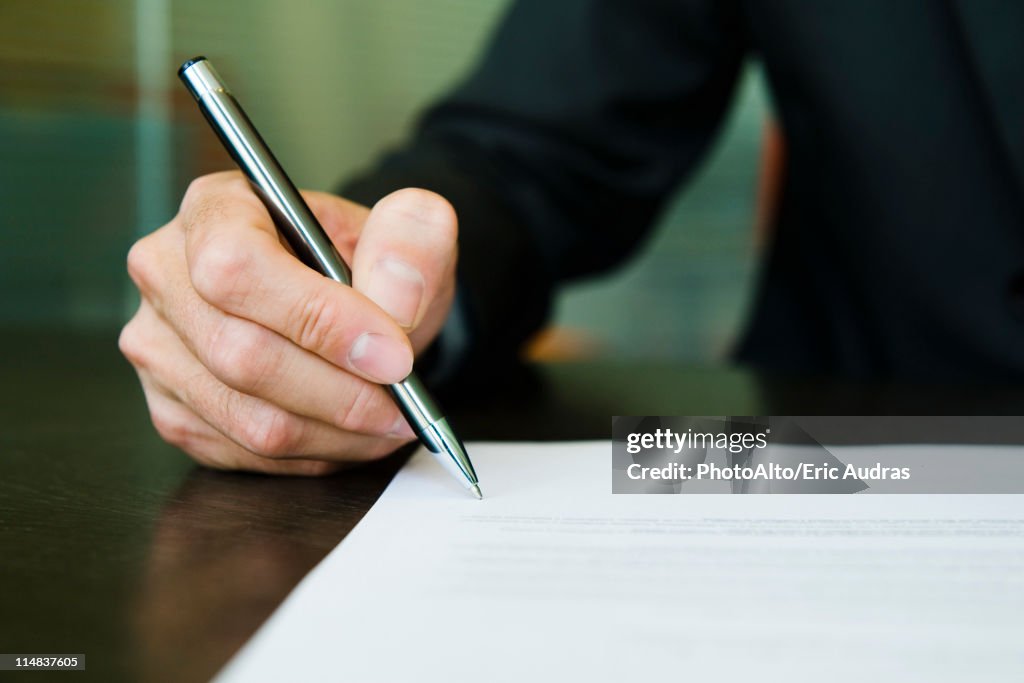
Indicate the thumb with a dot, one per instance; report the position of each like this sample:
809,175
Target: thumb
341,219
405,260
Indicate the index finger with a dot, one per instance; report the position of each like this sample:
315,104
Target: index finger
237,264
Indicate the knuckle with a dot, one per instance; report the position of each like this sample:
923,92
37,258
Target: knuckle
217,270
206,196
272,433
172,429
199,204
200,188
129,343
197,187
235,183
237,354
140,261
360,413
315,321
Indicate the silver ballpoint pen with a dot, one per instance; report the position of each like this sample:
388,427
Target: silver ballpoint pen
307,238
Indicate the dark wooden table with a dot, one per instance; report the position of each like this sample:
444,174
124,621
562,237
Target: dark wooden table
114,545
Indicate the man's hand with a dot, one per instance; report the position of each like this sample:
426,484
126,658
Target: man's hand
251,360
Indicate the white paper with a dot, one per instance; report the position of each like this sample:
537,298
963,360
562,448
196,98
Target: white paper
551,577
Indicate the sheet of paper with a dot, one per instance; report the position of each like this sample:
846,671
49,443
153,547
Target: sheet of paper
551,577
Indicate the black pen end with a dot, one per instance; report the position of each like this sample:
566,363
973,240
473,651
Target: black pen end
188,63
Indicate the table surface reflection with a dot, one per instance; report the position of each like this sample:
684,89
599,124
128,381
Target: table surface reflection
114,545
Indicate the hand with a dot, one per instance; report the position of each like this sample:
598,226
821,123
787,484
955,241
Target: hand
251,360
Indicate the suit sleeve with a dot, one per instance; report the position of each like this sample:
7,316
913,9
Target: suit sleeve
560,148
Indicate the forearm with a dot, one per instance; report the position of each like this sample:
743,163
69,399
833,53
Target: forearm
561,147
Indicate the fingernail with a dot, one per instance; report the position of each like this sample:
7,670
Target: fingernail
380,358
398,288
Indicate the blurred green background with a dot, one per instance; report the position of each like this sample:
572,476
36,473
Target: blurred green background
99,141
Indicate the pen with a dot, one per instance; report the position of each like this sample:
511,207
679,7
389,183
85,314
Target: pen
310,243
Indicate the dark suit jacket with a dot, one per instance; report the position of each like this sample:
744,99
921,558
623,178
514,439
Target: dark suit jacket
899,245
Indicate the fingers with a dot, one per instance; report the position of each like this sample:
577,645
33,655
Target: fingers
257,426
258,362
251,360
237,265
181,427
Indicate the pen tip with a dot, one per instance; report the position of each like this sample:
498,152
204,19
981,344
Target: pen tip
476,491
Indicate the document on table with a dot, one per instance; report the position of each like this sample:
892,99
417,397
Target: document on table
551,577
